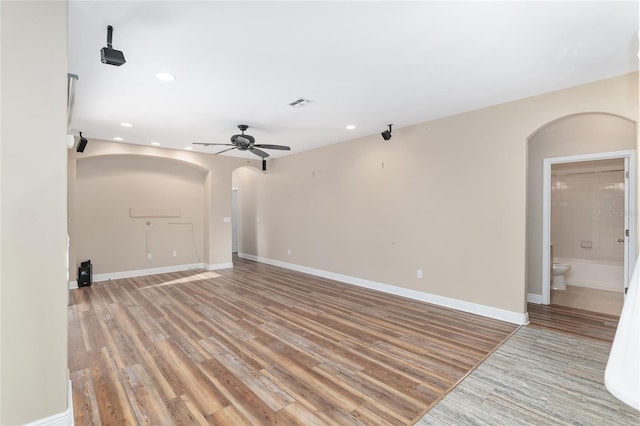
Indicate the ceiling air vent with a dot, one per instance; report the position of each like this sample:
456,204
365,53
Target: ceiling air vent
300,102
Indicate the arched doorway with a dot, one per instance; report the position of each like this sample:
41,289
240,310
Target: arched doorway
574,138
244,206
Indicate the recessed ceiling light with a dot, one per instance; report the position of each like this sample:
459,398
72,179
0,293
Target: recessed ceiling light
126,124
118,138
188,148
165,76
155,143
350,126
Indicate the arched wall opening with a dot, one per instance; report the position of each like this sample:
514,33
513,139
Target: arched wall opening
578,134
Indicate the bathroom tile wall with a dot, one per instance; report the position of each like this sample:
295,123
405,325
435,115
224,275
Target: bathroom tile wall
587,211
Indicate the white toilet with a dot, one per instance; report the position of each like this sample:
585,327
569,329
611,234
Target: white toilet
559,270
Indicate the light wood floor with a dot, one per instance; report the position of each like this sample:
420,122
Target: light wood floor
577,322
589,299
263,345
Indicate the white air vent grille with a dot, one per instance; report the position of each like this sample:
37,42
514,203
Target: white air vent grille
300,102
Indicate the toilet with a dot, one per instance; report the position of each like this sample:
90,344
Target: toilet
559,271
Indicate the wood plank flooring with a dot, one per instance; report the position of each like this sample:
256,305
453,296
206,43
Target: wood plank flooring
264,345
577,322
538,377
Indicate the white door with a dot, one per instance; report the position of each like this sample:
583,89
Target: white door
627,261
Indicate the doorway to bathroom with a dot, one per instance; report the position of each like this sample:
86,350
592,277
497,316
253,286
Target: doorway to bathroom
588,232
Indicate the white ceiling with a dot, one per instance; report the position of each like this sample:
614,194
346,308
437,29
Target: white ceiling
362,63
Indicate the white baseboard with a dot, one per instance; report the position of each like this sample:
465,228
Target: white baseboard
151,271
474,308
61,419
216,266
534,298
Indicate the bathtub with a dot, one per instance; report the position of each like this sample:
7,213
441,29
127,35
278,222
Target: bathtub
594,274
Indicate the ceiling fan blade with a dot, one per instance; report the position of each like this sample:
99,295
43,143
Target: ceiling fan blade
267,146
225,150
209,144
259,152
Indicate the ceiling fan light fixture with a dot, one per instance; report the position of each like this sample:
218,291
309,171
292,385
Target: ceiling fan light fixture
244,142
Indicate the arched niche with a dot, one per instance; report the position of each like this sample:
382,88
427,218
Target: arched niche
132,212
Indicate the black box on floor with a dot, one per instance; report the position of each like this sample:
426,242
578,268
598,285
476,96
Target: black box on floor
84,274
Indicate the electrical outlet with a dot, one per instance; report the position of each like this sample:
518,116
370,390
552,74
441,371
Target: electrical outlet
419,273
289,251
175,253
148,256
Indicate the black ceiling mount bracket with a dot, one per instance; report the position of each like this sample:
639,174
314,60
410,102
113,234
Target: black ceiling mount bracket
109,36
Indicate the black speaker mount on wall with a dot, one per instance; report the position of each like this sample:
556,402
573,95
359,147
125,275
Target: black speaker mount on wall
386,135
82,143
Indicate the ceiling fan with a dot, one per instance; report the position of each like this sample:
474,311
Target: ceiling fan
244,142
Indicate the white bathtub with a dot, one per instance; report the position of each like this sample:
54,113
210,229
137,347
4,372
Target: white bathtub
594,274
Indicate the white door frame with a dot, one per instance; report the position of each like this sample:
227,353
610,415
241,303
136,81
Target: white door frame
234,219
630,215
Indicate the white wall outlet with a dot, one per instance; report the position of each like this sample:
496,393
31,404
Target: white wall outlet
148,256
419,273
227,220
175,253
289,251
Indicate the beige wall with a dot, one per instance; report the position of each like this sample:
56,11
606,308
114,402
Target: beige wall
576,134
109,186
33,304
111,177
450,199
